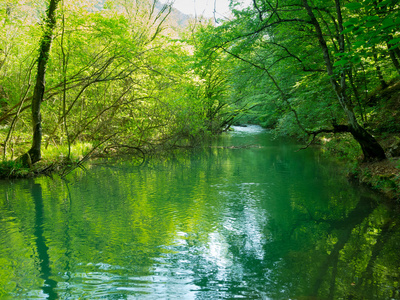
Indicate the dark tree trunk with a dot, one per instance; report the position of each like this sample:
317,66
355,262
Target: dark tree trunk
34,154
394,59
370,147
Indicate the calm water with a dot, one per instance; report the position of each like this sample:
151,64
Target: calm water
247,218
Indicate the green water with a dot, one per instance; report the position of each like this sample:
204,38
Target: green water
259,220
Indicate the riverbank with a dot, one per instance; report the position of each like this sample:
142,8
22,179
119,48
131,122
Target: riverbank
383,176
383,111
14,170
383,123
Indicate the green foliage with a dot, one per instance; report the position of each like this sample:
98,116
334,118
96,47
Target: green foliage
12,169
112,80
279,65
60,152
118,77
370,25
344,147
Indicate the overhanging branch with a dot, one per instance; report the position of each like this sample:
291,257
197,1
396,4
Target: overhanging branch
336,129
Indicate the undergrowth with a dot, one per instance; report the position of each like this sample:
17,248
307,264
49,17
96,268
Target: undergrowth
54,159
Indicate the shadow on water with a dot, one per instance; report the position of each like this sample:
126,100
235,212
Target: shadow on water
42,249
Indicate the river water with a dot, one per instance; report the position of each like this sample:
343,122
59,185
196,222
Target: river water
249,217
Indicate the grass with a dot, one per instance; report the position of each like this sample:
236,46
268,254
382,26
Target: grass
11,168
54,159
55,153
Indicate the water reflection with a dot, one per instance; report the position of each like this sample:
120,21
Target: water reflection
247,218
41,247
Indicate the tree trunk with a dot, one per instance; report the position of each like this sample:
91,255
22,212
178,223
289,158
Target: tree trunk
394,59
34,154
356,95
370,147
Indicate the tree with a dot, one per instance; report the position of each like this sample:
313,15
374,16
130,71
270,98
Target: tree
34,154
293,41
212,68
370,147
373,25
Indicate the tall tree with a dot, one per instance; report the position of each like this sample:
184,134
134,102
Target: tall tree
34,154
289,40
370,147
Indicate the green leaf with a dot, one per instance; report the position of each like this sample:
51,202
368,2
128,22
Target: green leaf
394,41
356,59
388,22
375,19
385,3
341,62
350,22
347,30
358,30
370,24
358,44
354,5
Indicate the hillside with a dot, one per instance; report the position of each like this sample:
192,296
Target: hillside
176,18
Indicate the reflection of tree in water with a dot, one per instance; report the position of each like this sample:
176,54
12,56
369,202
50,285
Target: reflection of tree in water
245,236
344,229
346,262
388,230
372,258
329,258
42,249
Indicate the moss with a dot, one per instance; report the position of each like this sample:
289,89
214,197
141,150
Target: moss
383,176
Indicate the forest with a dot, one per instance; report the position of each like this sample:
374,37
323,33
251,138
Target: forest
86,78
199,158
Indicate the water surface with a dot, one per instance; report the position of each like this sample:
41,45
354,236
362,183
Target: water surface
248,217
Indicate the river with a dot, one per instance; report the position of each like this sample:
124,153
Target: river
249,217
